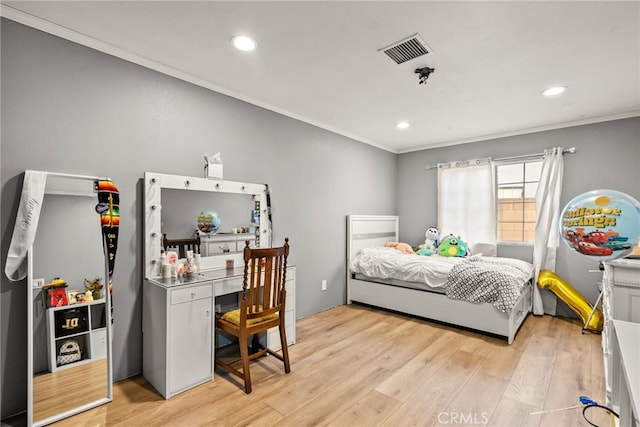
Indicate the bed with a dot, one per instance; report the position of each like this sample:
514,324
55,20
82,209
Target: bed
410,294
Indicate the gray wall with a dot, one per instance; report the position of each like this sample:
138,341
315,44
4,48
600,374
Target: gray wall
608,157
67,108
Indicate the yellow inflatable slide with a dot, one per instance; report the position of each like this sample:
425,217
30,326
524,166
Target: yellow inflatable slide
547,279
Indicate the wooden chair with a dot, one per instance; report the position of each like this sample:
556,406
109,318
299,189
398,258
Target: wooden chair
183,245
262,307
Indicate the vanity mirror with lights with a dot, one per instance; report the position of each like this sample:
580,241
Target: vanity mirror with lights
69,346
178,312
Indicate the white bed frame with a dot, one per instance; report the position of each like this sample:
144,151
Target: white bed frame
375,230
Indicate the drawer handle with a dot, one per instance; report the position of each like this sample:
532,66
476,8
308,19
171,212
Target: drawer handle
193,295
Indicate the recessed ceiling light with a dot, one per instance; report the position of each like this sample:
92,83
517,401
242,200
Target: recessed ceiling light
244,43
556,90
403,125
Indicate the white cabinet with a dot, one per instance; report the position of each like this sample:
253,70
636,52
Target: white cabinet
273,336
620,301
177,328
77,334
190,337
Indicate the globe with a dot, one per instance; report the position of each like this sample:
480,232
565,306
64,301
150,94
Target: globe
208,222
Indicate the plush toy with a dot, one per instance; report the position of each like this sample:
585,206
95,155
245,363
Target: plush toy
431,241
424,251
402,247
433,234
452,246
427,248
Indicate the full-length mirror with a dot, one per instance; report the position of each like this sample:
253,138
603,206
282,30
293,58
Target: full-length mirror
70,328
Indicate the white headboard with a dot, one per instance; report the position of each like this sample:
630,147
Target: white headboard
365,231
369,230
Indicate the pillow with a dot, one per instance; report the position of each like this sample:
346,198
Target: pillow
485,249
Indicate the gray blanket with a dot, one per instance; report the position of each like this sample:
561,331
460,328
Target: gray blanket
487,279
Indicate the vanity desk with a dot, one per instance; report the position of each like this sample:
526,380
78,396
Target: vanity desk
178,326
178,314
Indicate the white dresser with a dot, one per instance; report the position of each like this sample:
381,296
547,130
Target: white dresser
627,347
620,301
214,244
178,326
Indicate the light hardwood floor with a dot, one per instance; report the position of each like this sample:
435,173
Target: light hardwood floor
60,391
359,366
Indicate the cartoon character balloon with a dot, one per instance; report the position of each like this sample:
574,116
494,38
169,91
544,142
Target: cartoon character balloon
208,222
601,224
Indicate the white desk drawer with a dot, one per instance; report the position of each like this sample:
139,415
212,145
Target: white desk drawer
228,286
215,248
191,293
624,271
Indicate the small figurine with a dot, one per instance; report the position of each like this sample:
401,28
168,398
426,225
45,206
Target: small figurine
95,287
88,296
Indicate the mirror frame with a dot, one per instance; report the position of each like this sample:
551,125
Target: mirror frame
154,183
67,185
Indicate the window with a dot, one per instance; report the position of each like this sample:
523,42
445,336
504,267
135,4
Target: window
517,184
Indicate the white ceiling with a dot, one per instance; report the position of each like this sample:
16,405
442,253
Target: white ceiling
319,62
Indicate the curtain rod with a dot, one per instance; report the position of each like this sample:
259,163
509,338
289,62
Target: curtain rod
571,150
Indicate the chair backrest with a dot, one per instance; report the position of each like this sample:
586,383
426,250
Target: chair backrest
183,245
265,275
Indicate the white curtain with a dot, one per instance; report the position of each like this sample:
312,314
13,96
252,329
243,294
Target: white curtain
466,203
546,236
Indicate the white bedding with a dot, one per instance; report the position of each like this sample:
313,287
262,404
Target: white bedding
390,263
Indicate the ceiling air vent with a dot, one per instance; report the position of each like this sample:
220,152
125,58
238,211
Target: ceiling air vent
406,50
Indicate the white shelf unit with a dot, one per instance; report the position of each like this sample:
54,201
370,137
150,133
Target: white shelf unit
90,333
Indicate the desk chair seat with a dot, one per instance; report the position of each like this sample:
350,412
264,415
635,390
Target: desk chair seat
262,308
234,318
